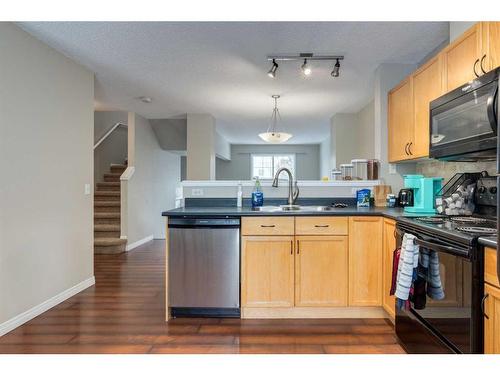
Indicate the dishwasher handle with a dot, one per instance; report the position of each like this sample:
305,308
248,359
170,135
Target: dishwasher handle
198,222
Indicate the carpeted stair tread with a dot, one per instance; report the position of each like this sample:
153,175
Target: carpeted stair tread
107,215
107,204
113,183
109,241
106,228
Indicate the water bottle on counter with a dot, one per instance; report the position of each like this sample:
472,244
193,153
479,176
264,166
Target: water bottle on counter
257,195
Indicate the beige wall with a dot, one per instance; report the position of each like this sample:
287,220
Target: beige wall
46,140
201,146
151,190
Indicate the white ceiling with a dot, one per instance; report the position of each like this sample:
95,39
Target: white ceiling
220,67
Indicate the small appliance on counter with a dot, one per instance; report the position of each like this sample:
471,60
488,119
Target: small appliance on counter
419,192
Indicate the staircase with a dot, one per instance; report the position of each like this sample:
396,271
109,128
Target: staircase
107,213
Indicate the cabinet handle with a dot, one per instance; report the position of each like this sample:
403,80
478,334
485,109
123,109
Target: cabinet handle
474,68
322,226
409,148
482,305
291,247
481,64
406,149
298,247
267,226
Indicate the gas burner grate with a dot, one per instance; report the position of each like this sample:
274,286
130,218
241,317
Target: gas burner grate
431,220
478,230
468,220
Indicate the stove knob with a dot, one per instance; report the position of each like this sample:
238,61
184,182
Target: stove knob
493,190
482,190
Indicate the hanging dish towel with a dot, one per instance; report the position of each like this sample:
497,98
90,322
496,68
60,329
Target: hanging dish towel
408,262
430,259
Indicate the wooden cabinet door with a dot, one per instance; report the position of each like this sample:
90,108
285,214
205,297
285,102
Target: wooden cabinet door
400,121
321,267
267,271
365,261
491,320
490,32
389,245
427,85
460,57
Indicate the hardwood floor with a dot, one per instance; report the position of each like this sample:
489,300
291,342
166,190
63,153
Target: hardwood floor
124,313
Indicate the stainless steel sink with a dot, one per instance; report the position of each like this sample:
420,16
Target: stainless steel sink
292,208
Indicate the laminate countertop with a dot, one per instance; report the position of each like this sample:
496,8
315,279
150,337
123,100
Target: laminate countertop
392,213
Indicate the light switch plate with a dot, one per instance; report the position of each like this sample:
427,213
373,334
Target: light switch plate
392,169
87,189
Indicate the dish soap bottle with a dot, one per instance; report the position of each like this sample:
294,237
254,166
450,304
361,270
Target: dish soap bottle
257,195
239,198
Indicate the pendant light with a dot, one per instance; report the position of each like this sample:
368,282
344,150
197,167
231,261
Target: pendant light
271,135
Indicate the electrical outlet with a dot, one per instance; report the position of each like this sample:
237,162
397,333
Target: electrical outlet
392,168
196,192
86,189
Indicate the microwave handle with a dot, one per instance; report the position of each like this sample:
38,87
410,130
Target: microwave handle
492,111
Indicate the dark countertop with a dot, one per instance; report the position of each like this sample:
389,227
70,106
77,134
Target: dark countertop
391,213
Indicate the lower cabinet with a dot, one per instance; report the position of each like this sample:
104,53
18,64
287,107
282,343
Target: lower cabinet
321,266
389,245
267,271
365,261
491,320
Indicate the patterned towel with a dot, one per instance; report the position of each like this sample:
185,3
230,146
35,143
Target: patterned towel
408,262
430,259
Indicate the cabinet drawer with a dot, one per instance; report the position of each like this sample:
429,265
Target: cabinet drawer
490,267
321,225
267,225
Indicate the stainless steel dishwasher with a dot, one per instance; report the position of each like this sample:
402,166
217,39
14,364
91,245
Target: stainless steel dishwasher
204,266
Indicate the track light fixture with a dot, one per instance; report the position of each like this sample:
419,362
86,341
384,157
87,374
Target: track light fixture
272,72
336,69
306,66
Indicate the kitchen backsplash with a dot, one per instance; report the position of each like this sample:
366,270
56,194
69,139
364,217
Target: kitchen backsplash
446,169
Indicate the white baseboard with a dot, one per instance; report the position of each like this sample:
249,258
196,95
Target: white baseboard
139,243
22,318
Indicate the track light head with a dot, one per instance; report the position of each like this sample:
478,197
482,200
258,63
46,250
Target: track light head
336,69
272,72
306,68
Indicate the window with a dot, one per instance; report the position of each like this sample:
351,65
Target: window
265,166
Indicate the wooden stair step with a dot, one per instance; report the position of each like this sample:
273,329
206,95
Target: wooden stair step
107,230
107,204
117,168
107,215
109,241
109,245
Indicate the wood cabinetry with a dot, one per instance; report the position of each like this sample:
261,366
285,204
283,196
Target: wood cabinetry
267,271
475,52
268,226
491,320
389,245
400,124
462,57
491,303
321,266
427,85
365,261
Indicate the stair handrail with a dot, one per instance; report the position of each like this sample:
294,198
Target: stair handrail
108,133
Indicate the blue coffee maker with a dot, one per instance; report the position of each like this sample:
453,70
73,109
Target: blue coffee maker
424,193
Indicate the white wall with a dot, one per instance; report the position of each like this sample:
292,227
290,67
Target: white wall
222,147
200,147
151,190
47,135
325,155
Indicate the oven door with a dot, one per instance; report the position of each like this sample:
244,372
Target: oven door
465,126
449,324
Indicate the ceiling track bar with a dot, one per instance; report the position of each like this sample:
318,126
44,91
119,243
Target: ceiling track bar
302,56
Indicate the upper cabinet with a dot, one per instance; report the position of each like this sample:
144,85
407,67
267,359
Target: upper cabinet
462,58
474,53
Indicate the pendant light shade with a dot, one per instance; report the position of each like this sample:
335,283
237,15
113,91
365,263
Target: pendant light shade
272,135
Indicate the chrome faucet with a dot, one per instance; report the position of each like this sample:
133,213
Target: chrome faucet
293,189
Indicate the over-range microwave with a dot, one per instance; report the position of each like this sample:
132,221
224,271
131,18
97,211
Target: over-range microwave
463,122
